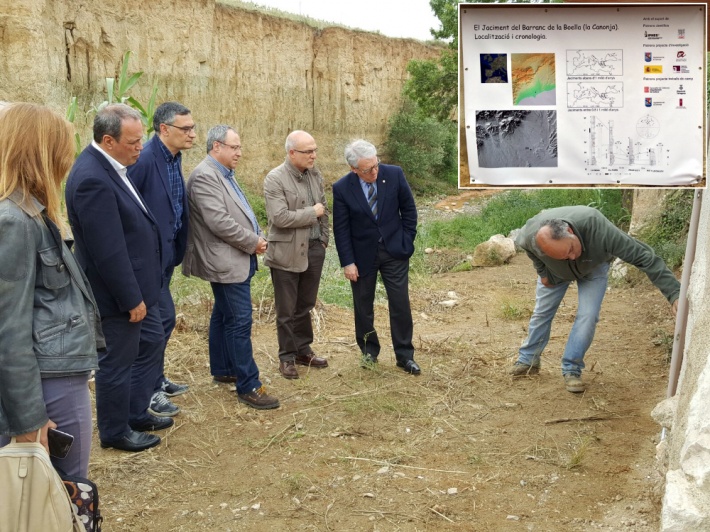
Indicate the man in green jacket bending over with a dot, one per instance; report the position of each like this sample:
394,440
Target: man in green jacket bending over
577,244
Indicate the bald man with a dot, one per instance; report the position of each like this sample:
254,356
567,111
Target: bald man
298,236
577,244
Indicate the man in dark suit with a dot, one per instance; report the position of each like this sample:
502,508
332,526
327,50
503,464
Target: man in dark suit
374,225
118,246
158,178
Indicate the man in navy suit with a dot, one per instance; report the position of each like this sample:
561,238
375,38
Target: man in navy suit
118,246
158,177
374,225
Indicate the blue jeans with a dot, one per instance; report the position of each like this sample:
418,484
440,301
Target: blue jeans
547,300
230,334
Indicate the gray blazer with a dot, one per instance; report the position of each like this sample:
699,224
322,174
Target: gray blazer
220,239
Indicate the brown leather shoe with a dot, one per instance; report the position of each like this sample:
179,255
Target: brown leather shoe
224,379
288,369
310,359
258,399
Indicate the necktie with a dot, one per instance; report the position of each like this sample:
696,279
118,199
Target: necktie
372,199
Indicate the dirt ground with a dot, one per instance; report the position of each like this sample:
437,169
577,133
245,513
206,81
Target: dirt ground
461,447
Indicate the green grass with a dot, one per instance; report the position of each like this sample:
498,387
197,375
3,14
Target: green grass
510,210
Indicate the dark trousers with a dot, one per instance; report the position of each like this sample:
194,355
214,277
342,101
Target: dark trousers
295,295
395,277
167,318
230,346
127,372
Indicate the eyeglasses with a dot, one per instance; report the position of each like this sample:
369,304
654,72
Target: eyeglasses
185,129
235,147
307,152
369,170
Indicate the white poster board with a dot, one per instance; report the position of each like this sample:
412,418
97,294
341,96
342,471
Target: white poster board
582,94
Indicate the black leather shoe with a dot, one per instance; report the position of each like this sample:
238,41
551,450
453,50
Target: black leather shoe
153,423
133,442
410,367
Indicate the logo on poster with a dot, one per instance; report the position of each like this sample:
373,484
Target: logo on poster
649,102
653,69
648,57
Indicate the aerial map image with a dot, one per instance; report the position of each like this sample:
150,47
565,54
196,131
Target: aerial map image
494,68
506,139
533,78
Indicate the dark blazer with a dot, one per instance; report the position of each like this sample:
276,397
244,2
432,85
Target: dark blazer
356,230
117,242
150,177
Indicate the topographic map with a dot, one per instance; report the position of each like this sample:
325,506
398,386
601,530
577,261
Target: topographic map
595,62
592,95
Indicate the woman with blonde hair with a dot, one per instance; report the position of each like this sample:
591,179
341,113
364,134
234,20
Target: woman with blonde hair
49,323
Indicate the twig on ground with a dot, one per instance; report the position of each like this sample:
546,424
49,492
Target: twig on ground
568,419
382,462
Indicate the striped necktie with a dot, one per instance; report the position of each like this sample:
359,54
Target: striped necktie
372,199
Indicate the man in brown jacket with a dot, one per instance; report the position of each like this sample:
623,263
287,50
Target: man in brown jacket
223,241
298,235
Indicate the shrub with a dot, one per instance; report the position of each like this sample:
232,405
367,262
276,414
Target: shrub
425,149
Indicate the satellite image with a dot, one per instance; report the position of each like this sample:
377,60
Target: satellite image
533,79
516,139
494,68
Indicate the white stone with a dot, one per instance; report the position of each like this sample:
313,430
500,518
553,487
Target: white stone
452,491
496,251
681,512
664,412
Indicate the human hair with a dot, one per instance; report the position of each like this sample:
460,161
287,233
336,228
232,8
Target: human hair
36,152
217,134
165,114
558,229
108,120
291,139
359,149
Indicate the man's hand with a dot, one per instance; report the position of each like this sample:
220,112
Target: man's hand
547,283
261,246
30,437
674,308
320,209
350,272
138,313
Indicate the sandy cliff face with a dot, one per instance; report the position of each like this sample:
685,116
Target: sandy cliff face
262,74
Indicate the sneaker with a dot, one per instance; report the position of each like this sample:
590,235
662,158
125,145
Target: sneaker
161,406
574,384
368,361
258,399
519,369
172,389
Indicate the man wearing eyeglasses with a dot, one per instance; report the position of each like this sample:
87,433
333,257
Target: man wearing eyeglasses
158,177
298,235
223,241
374,225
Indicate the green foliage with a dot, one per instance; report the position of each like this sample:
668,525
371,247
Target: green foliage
425,148
510,210
668,238
117,91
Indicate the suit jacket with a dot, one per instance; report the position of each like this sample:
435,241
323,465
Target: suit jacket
221,239
117,241
355,229
291,216
150,177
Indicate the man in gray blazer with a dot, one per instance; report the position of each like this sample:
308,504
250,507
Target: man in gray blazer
298,236
223,241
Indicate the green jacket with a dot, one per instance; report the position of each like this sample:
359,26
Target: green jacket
601,242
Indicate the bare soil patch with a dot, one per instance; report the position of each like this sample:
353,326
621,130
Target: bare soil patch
462,447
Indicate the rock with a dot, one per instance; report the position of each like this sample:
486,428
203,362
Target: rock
496,251
448,303
428,251
452,295
452,491
619,269
383,470
664,412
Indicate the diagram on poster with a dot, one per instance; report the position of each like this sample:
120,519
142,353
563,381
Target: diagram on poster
548,102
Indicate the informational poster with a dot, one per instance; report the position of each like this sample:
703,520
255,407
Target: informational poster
584,94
